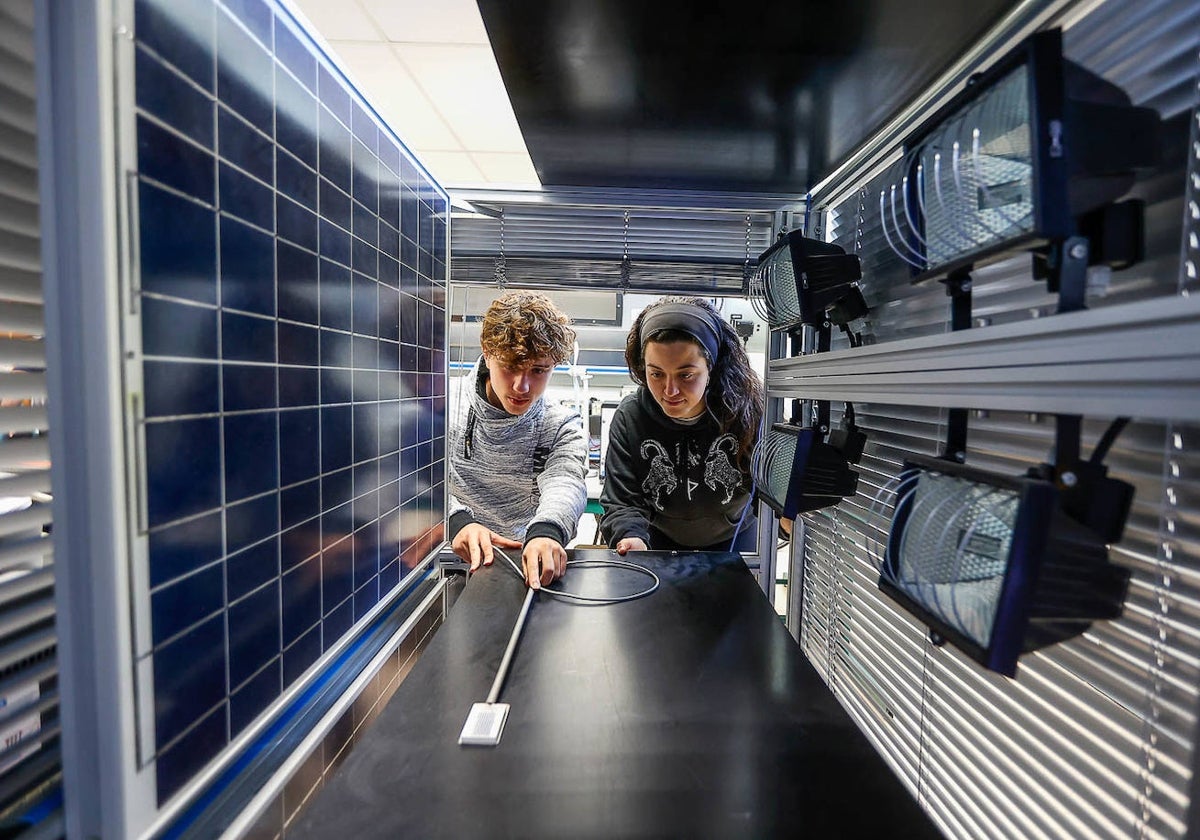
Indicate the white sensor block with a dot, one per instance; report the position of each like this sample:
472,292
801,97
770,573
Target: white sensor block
484,725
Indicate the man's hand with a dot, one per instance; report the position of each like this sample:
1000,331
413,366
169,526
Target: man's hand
631,544
474,544
544,561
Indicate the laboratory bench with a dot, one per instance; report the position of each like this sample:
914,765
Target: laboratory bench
690,712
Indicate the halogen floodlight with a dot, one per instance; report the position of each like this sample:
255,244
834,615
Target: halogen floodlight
996,565
806,281
798,471
1011,162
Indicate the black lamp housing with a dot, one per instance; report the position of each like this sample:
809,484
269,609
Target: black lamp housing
806,281
1000,565
799,470
1016,160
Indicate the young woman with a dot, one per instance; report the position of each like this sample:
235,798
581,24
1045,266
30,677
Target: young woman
516,463
677,470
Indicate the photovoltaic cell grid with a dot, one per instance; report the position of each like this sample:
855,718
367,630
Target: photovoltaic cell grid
292,311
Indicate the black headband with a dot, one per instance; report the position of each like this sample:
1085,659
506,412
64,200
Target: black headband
687,318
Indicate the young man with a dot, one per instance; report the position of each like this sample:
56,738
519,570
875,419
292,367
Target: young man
516,463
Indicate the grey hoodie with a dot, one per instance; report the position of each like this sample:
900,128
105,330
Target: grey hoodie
519,475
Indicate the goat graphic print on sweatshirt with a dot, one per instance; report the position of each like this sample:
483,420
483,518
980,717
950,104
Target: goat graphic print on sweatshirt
680,479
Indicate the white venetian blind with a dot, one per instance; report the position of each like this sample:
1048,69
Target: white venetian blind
29,731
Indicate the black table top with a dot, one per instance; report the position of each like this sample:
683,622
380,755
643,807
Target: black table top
688,713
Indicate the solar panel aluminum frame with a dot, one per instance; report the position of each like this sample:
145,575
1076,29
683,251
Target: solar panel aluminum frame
1041,54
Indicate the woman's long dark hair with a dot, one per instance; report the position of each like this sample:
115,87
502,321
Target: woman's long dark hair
735,393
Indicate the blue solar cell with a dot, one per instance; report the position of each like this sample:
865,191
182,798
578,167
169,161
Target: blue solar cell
253,633
249,569
165,94
338,621
335,150
181,33
183,475
245,146
296,224
298,289
174,388
299,504
247,338
171,159
299,387
246,198
247,387
247,268
244,74
298,345
251,462
335,204
336,385
176,765
366,231
185,547
336,559
251,521
178,244
177,606
336,431
335,243
295,118
299,459
296,55
366,596
177,329
300,180
365,177
301,595
333,94
303,653
189,678
389,314
255,15
260,691
365,310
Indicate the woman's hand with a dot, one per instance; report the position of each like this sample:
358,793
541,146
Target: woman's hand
544,561
474,544
631,544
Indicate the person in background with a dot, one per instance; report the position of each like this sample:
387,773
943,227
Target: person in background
677,469
516,463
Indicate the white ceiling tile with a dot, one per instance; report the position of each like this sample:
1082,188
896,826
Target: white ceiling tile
339,20
387,85
510,169
445,21
464,83
452,168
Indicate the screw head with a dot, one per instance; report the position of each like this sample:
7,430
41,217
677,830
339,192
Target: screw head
1069,479
1078,251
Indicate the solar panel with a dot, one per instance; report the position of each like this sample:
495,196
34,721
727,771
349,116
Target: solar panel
291,331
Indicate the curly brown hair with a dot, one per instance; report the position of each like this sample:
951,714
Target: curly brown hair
735,393
519,327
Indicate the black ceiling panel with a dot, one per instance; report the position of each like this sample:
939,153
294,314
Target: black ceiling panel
679,94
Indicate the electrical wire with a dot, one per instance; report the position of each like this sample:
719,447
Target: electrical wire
755,460
591,564
1107,439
